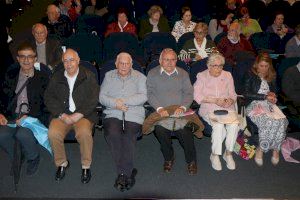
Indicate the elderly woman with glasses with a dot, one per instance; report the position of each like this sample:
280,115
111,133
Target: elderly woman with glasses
214,91
199,47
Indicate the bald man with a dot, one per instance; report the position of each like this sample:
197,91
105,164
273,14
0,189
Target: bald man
49,50
233,43
123,93
72,97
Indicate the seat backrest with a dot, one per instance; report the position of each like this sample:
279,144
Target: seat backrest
94,23
179,63
110,65
264,41
88,46
155,42
244,62
284,65
182,40
219,37
118,42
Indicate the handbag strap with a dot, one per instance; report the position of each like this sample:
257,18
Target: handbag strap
17,94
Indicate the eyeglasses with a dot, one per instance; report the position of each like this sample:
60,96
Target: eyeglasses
124,63
200,32
68,60
217,66
28,57
169,60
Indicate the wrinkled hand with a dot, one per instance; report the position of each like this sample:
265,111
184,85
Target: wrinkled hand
228,102
220,102
271,97
75,117
178,112
198,57
120,105
18,121
3,120
163,112
66,119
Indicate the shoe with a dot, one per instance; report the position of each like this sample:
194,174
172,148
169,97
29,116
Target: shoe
85,176
168,165
258,161
131,180
192,168
121,182
275,160
215,162
61,171
32,166
229,161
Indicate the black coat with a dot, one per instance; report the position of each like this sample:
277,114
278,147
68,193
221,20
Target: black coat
252,84
85,94
35,94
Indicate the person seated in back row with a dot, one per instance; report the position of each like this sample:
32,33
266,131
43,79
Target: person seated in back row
155,23
121,25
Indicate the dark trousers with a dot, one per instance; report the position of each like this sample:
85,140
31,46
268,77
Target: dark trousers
30,146
186,140
122,144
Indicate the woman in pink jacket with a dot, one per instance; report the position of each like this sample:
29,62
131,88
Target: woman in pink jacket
214,90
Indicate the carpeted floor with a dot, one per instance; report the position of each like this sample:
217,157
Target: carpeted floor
247,181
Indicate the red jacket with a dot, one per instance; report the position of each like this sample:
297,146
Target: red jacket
114,27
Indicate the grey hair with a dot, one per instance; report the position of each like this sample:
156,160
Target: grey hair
56,8
39,24
215,56
69,49
166,50
124,54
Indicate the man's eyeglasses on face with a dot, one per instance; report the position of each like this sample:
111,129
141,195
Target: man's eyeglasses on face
169,60
28,57
68,60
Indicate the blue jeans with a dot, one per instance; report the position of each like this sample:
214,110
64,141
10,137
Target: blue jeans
29,144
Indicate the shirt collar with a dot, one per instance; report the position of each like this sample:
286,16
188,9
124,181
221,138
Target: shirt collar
169,74
40,44
69,77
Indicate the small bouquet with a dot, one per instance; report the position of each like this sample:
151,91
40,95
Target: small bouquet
243,148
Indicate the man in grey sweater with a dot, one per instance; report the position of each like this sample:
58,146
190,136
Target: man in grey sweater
123,93
170,85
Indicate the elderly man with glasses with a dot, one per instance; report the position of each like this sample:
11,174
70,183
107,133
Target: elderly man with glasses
169,85
72,97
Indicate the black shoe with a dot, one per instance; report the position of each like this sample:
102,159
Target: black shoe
121,182
131,180
86,176
32,166
61,171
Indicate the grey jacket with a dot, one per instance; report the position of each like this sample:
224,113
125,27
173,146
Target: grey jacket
132,89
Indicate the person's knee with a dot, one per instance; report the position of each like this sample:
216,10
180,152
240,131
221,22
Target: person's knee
24,134
83,133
